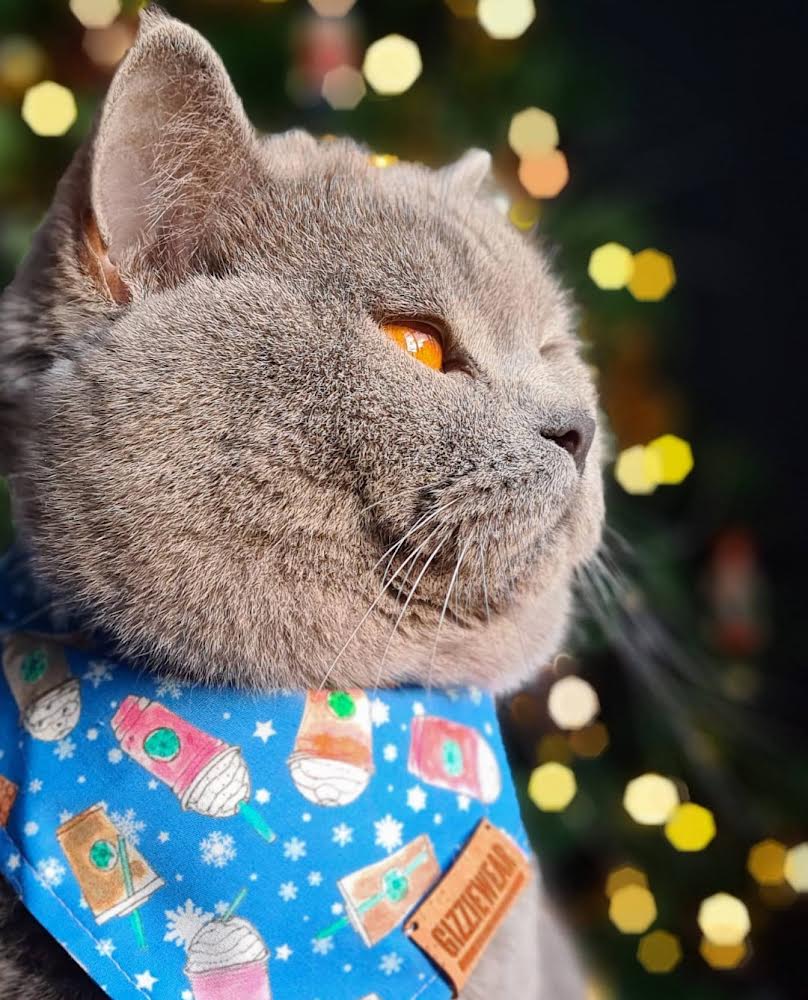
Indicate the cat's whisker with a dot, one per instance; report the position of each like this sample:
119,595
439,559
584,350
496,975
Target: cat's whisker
394,496
420,523
449,589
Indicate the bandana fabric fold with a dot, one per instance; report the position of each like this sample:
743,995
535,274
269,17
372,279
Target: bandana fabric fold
191,843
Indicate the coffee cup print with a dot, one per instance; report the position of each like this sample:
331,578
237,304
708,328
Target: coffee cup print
113,875
207,775
378,897
332,759
8,796
453,756
47,694
227,960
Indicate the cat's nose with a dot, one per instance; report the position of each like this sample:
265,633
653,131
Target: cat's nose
574,435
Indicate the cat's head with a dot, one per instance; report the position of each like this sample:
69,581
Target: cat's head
214,443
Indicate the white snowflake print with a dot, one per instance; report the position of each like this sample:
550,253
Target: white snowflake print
168,688
314,878
92,734
50,872
262,796
163,836
390,752
388,833
342,834
217,849
282,953
417,708
294,849
437,819
488,728
184,922
263,730
287,891
64,749
337,908
34,786
463,803
145,980
105,947
65,815
13,863
416,798
475,694
322,946
98,671
379,712
31,828
115,755
128,826
391,963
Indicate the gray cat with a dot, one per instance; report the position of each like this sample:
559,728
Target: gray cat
214,447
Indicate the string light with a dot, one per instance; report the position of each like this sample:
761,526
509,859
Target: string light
795,868
552,787
332,8
724,920
572,703
723,956
650,799
675,458
623,876
22,62
691,827
611,266
632,909
667,460
659,952
392,64
343,88
533,132
544,176
96,13
506,19
654,276
49,109
590,741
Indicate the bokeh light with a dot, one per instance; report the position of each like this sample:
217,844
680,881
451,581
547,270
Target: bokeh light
49,109
524,212
343,88
533,132
544,176
552,787
724,919
611,266
572,702
691,827
462,8
766,862
796,868
96,13
107,46
382,160
651,799
506,18
392,64
22,62
332,8
632,909
654,276
638,470
675,458
623,876
723,956
590,741
659,952
554,746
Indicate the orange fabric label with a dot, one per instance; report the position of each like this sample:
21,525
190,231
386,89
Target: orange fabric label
457,920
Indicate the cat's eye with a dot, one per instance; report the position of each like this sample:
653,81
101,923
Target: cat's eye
420,340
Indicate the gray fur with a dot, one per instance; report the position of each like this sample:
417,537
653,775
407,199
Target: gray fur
214,464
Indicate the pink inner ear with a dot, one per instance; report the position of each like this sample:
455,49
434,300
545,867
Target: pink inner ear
106,273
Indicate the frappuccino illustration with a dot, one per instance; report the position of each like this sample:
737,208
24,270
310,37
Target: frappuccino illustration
113,875
47,694
207,775
453,756
227,960
332,759
379,896
8,796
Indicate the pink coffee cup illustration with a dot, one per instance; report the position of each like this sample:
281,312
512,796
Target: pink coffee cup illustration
453,756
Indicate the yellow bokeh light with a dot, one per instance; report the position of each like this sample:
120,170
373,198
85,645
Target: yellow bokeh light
659,952
675,458
572,703
722,956
638,470
796,868
691,827
343,88
462,8
590,741
524,213
382,160
533,132
654,276
552,787
96,13
553,746
506,18
611,266
623,876
632,909
332,8
724,919
650,799
107,46
22,62
766,862
392,64
48,108
544,176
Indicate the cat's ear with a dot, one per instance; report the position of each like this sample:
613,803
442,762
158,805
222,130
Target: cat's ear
467,176
172,156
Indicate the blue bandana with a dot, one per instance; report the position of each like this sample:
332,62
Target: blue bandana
189,843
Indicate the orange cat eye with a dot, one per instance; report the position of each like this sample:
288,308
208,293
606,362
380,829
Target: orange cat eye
419,340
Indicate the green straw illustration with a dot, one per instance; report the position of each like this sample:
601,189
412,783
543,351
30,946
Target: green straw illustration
231,909
134,916
256,821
